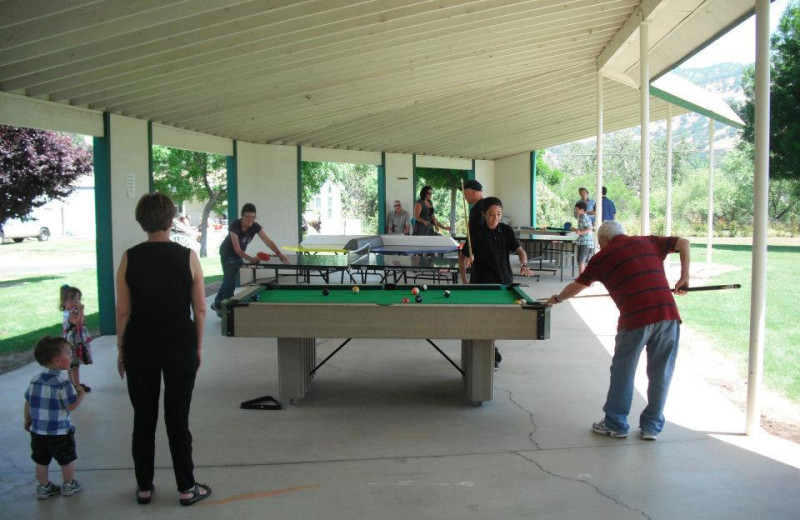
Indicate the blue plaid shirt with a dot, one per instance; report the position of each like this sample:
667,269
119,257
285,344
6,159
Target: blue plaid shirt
585,240
49,395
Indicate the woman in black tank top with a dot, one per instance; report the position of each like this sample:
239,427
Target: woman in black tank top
161,312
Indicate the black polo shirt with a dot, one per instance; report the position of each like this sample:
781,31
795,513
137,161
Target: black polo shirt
492,248
476,220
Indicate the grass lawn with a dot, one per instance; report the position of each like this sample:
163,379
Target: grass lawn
30,302
724,316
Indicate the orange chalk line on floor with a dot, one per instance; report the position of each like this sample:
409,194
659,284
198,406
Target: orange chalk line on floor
263,494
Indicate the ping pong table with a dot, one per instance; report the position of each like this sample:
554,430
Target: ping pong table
303,265
556,249
382,244
398,268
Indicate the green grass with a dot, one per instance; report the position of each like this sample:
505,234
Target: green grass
30,302
724,316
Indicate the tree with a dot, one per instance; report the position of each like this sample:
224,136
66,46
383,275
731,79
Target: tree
185,175
37,166
784,144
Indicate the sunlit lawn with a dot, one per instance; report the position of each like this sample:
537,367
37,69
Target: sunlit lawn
30,302
724,316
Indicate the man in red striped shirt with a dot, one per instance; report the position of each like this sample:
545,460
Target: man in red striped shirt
632,269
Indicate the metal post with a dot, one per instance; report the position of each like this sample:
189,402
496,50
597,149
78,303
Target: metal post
710,231
598,194
644,90
760,191
668,230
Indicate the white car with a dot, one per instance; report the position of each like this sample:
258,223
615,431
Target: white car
18,230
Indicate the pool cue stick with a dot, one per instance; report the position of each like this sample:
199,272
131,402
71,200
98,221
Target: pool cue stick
466,216
687,289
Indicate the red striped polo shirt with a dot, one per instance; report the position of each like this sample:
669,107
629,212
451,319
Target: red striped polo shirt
632,269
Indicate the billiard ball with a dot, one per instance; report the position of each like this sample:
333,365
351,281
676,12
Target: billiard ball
424,287
446,293
355,289
414,291
405,300
520,302
325,292
419,299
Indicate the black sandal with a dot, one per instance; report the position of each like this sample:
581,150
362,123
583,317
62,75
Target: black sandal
196,495
86,389
145,500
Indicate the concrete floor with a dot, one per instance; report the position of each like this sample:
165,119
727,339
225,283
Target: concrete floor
386,433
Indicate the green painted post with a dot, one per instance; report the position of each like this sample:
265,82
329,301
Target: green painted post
382,195
533,188
471,173
299,194
150,182
103,230
232,176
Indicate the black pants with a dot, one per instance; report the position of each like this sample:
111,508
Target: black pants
144,387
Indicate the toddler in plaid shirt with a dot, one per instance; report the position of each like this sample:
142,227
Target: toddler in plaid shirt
49,399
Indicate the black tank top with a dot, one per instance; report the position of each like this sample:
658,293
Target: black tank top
160,281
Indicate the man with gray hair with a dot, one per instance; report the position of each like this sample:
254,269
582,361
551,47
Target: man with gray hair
632,270
398,222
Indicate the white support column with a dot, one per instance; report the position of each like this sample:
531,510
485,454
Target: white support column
710,231
758,292
598,194
668,227
644,89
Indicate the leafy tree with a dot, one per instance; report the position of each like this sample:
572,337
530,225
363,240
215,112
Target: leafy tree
358,184
185,175
784,145
37,166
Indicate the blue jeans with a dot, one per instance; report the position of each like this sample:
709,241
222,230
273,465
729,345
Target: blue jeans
230,276
661,339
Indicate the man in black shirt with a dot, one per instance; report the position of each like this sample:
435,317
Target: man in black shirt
473,194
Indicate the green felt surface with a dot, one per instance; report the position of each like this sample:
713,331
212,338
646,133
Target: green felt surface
381,295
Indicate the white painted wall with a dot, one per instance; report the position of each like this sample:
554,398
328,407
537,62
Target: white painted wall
445,163
44,115
400,181
312,154
188,140
512,185
267,177
484,173
129,153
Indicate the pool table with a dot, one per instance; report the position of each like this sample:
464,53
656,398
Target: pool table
298,314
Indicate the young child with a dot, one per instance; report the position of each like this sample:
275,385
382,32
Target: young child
585,241
73,329
49,399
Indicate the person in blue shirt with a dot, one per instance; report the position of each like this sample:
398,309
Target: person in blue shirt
585,240
590,203
49,399
609,209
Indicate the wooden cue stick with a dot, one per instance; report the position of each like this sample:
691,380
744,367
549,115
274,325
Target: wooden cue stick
466,216
687,289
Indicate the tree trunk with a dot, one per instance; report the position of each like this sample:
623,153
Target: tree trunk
207,207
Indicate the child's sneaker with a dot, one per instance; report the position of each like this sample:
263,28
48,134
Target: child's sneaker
70,488
50,490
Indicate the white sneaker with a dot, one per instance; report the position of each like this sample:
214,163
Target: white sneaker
649,436
601,429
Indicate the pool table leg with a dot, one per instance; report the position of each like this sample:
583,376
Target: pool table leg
296,360
477,361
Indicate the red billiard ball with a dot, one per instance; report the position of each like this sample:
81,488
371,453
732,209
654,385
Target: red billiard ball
415,291
419,299
405,300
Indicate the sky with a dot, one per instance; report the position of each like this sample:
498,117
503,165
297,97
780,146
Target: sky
738,45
